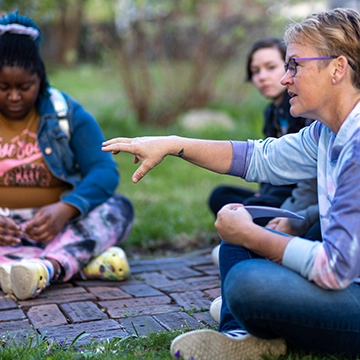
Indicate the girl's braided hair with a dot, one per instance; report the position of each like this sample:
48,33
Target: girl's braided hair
22,50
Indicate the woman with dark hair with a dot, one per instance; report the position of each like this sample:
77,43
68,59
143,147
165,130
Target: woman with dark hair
59,213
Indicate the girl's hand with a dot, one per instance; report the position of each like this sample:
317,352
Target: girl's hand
49,221
10,232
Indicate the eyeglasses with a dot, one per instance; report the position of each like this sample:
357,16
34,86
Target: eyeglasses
292,64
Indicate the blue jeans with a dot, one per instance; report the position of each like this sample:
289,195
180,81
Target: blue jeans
271,301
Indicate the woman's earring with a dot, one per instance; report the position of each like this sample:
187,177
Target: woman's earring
333,81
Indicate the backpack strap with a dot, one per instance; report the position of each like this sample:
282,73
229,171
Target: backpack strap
61,107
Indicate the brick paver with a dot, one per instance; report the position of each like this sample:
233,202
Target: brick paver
162,294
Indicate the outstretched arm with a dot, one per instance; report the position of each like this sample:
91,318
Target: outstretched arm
150,151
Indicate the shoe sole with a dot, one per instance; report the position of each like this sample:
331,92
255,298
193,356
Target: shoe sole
5,280
212,345
25,280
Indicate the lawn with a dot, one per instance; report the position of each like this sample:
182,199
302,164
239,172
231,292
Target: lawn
171,201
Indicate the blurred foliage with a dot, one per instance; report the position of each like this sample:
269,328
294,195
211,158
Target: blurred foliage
205,35
47,10
167,54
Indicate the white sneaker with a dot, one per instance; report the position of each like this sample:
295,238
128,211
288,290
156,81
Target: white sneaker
212,345
5,281
215,309
215,255
28,278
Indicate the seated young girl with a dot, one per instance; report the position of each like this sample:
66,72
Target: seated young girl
59,214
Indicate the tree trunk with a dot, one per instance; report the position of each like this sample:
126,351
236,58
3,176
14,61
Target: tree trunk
67,30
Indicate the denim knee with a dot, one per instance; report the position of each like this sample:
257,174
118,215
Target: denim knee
253,292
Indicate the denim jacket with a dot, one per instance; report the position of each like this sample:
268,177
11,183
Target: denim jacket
79,160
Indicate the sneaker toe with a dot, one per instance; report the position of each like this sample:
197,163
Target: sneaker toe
215,309
212,345
112,264
215,255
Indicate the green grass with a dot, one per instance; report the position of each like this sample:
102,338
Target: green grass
155,346
171,201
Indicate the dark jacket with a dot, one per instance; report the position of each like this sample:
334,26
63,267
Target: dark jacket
278,120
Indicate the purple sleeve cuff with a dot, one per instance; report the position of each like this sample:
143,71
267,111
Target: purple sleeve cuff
240,160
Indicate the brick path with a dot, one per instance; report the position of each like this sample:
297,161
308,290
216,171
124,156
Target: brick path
161,294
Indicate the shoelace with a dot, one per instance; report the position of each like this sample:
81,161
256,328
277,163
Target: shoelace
235,333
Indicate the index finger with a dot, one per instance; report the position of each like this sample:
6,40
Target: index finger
116,140
116,145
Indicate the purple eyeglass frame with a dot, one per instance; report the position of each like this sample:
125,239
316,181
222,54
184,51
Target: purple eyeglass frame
313,58
305,59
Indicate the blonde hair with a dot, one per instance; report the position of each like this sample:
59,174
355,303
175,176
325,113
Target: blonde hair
332,33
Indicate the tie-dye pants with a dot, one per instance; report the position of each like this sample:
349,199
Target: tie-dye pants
107,225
